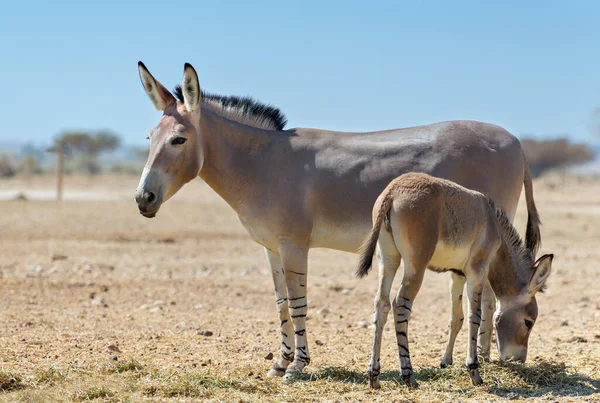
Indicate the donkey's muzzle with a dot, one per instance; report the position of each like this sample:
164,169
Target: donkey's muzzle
148,203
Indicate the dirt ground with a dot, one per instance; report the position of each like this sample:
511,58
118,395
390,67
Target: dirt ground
99,303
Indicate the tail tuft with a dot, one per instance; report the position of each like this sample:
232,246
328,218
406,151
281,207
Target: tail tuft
367,250
533,237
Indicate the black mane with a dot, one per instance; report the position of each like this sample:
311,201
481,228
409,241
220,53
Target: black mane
244,106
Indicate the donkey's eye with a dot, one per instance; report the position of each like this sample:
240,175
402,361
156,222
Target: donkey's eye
528,323
178,140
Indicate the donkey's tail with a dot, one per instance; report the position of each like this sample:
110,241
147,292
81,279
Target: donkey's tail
367,250
533,238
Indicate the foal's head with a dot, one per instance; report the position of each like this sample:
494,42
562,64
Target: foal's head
516,280
176,150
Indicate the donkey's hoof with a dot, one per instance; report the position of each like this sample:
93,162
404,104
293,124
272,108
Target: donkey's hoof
475,377
279,372
409,380
445,363
374,382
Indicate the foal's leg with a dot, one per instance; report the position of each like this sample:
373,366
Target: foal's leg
488,305
389,260
286,352
456,321
475,284
294,259
411,283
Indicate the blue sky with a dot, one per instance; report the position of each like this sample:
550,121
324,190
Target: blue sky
532,67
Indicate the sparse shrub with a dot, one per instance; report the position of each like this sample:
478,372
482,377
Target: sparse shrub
30,165
543,155
7,168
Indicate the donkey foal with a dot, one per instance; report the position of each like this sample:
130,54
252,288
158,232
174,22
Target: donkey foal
436,224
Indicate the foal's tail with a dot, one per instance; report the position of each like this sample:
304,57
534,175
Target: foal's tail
533,238
367,250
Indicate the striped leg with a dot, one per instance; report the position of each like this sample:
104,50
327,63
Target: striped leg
474,292
294,260
388,265
488,305
286,352
411,283
456,321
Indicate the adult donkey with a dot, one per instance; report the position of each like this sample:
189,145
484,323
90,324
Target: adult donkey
306,188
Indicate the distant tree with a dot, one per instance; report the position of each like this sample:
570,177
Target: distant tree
89,145
543,155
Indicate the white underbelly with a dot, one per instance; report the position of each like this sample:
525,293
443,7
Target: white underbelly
449,256
346,237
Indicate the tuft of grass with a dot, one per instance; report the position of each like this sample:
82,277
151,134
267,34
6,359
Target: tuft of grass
119,367
93,393
195,385
48,376
10,382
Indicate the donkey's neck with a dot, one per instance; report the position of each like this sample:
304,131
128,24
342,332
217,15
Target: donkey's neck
505,273
232,154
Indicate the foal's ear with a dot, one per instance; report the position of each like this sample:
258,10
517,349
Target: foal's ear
191,89
158,94
541,271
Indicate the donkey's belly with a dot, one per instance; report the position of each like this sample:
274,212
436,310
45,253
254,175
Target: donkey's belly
449,256
344,236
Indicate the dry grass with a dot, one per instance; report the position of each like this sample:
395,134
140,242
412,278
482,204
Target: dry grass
99,304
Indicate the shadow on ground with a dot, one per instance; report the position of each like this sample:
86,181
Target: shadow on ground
504,379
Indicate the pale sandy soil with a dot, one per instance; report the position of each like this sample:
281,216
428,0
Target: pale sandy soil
147,286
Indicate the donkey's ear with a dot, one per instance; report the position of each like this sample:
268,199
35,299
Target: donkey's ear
541,271
158,94
191,89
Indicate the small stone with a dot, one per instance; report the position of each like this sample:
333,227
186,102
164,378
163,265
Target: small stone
114,358
363,324
324,311
159,302
198,306
58,256
512,396
114,348
577,339
206,333
319,342
99,302
564,323
183,325
269,356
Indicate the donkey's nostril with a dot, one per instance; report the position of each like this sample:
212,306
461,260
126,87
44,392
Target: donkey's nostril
150,197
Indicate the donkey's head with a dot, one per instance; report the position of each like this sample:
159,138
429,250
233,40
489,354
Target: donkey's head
176,148
517,312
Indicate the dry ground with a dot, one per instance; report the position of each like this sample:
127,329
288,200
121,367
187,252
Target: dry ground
97,302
